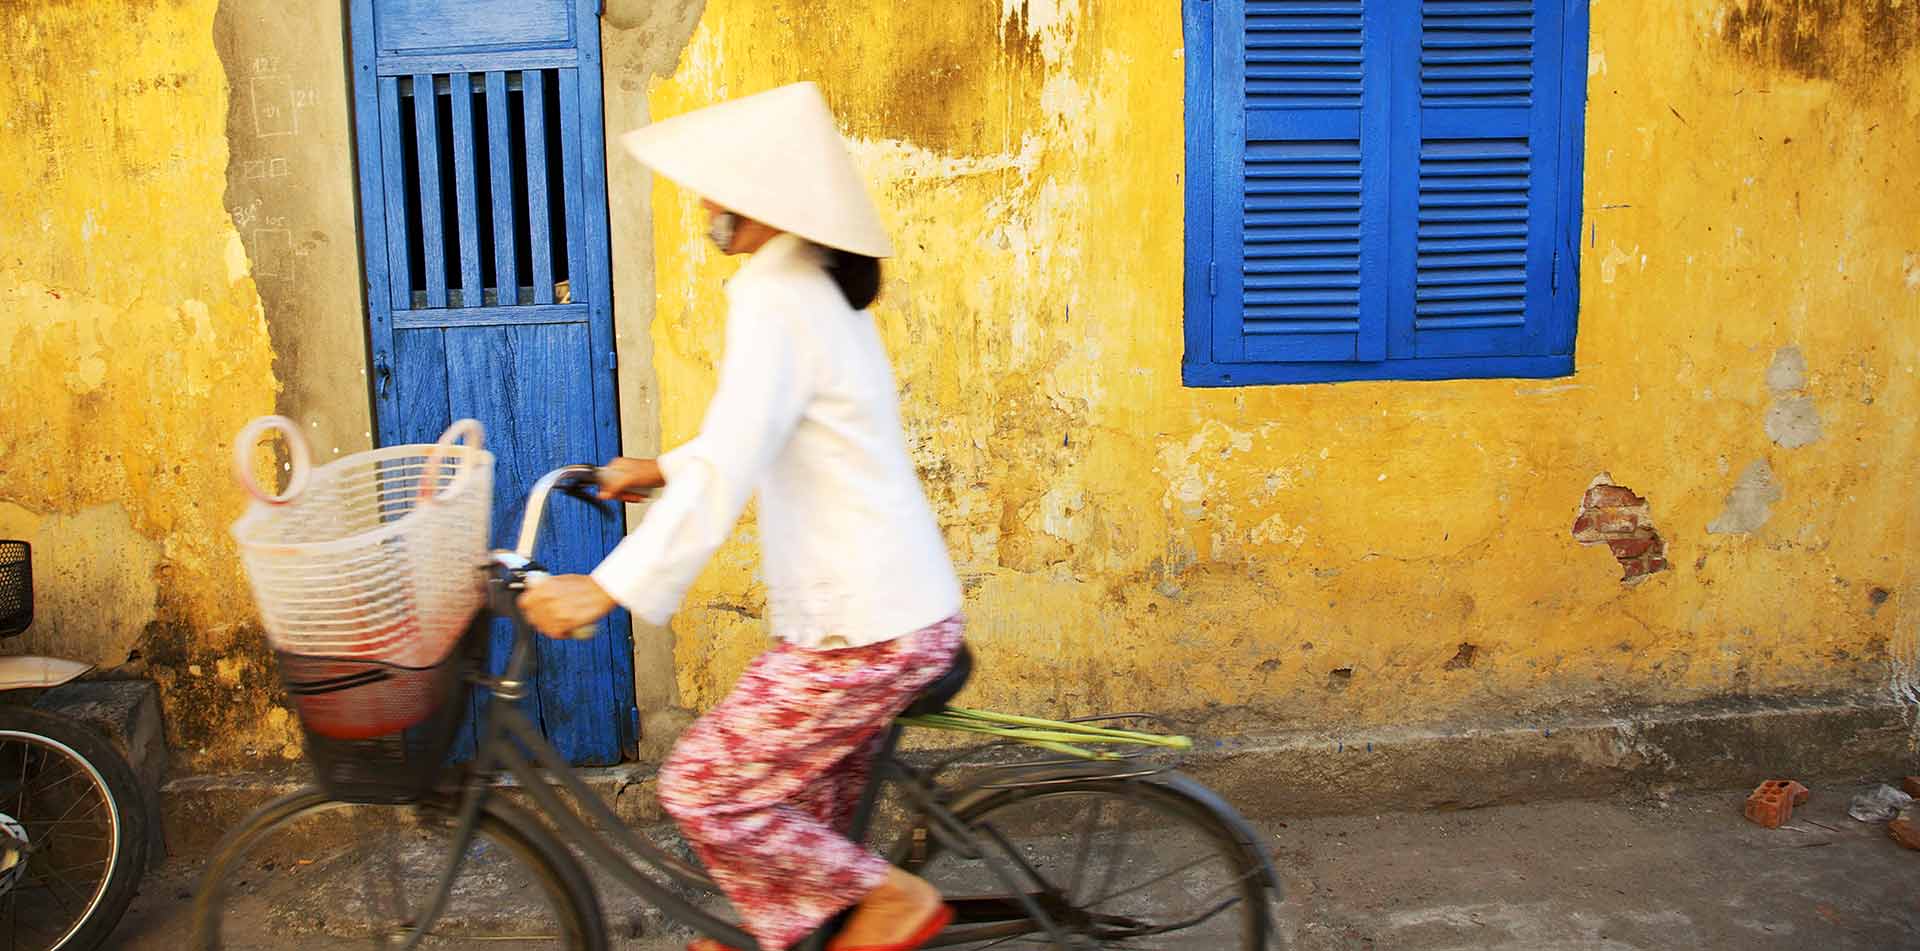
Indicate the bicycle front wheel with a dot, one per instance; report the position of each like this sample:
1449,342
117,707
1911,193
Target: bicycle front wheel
1140,864
309,867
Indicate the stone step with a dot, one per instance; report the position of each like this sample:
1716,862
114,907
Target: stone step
127,713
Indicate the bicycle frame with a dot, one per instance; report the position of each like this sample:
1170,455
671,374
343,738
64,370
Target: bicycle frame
511,743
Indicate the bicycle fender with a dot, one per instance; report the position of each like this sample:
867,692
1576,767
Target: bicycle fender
1229,819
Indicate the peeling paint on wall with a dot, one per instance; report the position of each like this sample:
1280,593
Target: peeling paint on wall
1750,503
134,332
640,41
94,582
291,192
1792,420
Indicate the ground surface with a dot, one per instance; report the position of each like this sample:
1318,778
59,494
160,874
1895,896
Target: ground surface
1636,875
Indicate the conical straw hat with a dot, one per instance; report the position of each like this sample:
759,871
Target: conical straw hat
775,157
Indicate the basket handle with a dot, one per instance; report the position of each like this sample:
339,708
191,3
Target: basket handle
475,435
302,458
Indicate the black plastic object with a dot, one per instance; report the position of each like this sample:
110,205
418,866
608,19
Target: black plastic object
398,765
16,587
589,492
938,694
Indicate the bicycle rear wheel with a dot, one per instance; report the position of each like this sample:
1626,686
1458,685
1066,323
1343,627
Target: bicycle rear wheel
1141,864
73,833
309,866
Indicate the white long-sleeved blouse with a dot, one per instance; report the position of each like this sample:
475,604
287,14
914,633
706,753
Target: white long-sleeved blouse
807,415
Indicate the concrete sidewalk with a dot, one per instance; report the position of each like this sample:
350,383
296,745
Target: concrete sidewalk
1620,875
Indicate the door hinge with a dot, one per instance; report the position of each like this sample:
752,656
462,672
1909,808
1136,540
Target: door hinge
613,359
1213,284
1556,272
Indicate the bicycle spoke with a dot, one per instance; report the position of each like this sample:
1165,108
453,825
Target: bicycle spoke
1199,919
1083,847
82,837
83,899
1189,880
20,801
1013,852
68,815
1149,883
401,911
32,929
1015,937
72,772
82,821
93,864
1119,858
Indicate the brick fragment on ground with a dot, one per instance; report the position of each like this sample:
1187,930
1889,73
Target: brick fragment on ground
1905,828
1771,804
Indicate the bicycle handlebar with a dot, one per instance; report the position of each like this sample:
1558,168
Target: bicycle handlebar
537,502
516,564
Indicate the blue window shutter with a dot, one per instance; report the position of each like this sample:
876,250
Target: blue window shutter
1476,208
1300,172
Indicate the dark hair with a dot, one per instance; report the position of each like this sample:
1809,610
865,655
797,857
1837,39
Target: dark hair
857,275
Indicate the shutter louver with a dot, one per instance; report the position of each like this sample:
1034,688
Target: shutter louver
1484,221
1312,187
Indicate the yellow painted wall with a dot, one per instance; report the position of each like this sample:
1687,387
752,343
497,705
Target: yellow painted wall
1128,542
134,346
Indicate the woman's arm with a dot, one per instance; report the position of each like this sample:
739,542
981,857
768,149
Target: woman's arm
631,480
764,387
766,381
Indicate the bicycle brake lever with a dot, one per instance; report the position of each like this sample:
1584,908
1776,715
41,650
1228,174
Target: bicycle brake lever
590,494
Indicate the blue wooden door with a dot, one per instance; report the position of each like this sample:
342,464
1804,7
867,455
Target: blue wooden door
483,201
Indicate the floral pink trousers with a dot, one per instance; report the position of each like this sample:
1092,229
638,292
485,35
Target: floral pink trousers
765,785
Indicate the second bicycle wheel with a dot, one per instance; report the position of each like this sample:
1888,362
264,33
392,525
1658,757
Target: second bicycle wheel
1134,864
309,870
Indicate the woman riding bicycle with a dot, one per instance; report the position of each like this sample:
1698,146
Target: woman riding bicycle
861,591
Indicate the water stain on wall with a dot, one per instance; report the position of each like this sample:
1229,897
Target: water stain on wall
969,87
1851,41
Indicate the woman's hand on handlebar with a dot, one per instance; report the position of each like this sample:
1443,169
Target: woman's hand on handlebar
630,480
562,605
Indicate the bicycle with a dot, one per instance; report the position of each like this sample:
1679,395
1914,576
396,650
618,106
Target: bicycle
73,825
993,844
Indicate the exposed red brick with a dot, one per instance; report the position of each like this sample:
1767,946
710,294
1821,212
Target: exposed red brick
1625,548
1606,495
1613,523
1615,516
1640,567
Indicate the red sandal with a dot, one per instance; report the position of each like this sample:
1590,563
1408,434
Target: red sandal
933,926
935,923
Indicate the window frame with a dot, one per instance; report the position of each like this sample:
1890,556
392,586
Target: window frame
1207,169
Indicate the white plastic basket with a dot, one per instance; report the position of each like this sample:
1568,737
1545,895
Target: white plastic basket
377,556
